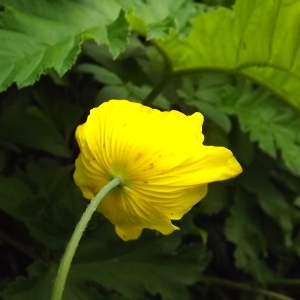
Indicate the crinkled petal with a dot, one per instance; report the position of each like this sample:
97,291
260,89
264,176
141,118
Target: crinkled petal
170,200
209,165
88,175
82,180
130,213
128,234
160,157
134,141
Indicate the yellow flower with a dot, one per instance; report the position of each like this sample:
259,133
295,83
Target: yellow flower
160,157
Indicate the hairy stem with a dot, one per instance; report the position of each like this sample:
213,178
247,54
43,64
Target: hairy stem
74,241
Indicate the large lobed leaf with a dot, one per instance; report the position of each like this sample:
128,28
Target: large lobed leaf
272,202
152,264
158,266
39,283
243,229
272,124
50,33
49,205
40,35
258,39
28,125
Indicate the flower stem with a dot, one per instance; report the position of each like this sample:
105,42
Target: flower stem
74,241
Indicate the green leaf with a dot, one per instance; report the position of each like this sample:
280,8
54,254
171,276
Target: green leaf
215,200
28,126
234,41
126,66
205,93
242,147
137,24
216,115
63,114
39,285
158,18
153,264
51,32
152,63
242,228
132,92
60,204
112,92
297,201
273,202
100,74
271,123
139,94
117,34
161,29
50,213
16,198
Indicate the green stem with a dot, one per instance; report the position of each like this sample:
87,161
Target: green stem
166,77
77,234
285,282
157,90
243,286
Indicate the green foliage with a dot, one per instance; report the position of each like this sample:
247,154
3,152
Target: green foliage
116,88
119,267
271,123
15,197
51,32
265,51
32,288
238,66
41,277
204,94
29,126
243,228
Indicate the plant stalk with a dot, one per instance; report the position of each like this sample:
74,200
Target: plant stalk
64,267
157,90
243,286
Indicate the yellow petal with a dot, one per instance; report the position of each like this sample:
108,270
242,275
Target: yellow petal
160,157
134,141
88,175
208,165
130,214
127,234
172,201
82,180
